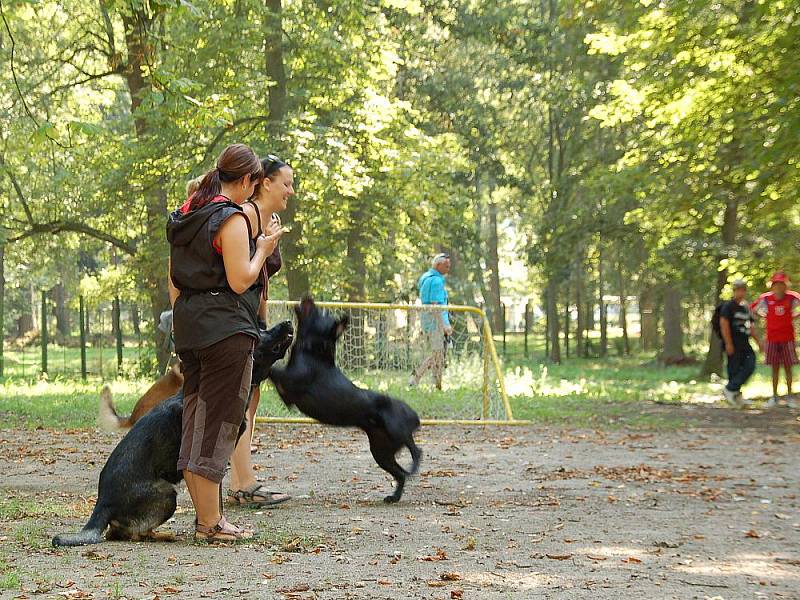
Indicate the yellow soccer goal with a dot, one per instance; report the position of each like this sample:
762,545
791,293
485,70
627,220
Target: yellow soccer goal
385,343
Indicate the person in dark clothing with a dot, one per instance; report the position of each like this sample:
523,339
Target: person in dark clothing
736,326
217,278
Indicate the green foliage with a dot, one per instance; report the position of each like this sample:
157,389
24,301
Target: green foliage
602,143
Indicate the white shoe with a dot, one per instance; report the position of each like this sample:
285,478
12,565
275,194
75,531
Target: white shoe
731,397
744,402
412,381
791,401
772,402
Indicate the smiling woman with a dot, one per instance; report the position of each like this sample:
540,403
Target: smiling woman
269,197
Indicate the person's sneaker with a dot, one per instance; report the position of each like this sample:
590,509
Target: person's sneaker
731,397
744,402
772,402
791,401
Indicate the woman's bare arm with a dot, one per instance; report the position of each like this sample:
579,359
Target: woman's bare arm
240,270
173,291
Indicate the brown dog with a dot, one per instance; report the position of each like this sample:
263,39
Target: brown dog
166,387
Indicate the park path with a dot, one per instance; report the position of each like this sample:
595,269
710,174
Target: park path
708,511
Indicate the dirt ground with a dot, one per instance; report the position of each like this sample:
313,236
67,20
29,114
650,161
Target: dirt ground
709,511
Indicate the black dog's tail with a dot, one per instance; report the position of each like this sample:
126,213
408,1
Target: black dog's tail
416,456
92,532
401,426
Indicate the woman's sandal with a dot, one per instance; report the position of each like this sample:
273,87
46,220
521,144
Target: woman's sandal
221,532
256,497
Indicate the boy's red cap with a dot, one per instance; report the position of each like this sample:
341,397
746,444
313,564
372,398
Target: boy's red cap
779,277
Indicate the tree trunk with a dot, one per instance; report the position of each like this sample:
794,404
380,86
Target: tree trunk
2,299
153,254
135,320
479,273
566,321
623,309
62,314
713,360
552,321
579,308
293,248
672,352
603,308
493,261
355,284
546,326
648,335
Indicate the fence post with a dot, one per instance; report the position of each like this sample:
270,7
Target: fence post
83,338
527,325
118,329
503,314
44,332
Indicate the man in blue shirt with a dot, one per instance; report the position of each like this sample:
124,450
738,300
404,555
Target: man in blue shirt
435,324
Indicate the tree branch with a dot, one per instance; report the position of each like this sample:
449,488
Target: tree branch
210,148
16,81
17,189
77,227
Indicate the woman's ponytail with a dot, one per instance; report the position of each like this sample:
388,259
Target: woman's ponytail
236,161
208,189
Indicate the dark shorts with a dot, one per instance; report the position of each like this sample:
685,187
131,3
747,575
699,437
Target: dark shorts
780,353
216,388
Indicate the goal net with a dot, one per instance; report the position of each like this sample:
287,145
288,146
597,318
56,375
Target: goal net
385,344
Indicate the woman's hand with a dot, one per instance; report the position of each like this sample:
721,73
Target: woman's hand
270,241
273,226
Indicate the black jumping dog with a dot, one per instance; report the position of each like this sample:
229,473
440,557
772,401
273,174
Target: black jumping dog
137,489
312,382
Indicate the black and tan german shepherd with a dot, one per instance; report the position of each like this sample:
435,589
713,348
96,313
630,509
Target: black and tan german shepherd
137,488
312,382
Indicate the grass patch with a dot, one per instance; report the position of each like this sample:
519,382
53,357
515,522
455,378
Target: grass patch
12,509
286,541
61,402
32,534
589,392
9,579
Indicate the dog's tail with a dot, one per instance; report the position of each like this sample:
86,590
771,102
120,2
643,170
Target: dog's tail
92,532
416,456
401,426
107,417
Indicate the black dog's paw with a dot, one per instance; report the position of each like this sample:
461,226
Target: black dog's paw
391,499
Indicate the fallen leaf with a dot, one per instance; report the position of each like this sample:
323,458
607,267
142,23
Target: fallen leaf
440,555
456,594
449,576
631,559
752,533
302,587
596,557
559,556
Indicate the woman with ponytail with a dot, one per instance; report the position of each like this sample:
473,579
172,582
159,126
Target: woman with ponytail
216,266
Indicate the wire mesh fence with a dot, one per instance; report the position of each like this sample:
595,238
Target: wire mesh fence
97,340
398,349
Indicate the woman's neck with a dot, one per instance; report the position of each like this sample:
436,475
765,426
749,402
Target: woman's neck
233,191
266,207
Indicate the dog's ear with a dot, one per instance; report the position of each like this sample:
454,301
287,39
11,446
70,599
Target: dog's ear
305,307
341,325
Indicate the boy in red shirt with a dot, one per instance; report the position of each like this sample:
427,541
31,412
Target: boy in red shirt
779,307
